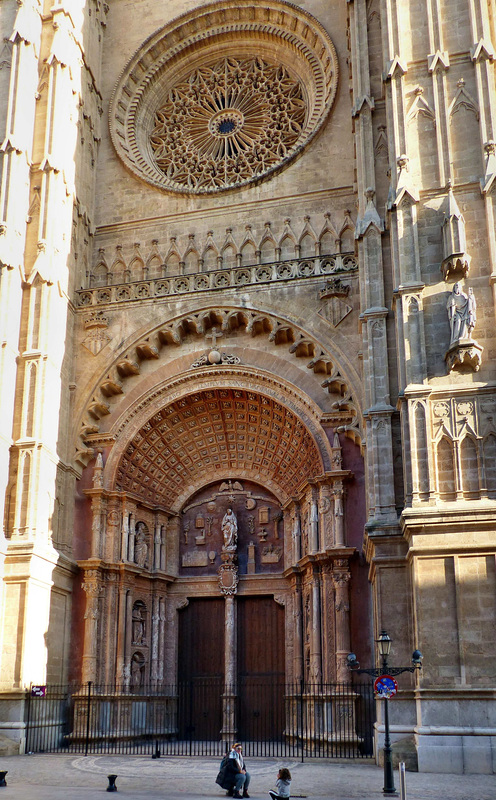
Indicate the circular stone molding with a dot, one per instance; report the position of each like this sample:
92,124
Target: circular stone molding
223,96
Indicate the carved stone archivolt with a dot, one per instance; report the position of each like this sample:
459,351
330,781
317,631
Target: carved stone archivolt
277,330
218,100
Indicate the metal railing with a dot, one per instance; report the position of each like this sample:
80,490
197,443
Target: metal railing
200,717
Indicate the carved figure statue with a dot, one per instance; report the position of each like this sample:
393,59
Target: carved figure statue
230,529
461,313
140,547
136,671
138,631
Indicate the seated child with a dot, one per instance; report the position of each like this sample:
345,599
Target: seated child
283,784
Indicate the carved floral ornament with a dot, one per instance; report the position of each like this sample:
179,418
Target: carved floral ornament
222,96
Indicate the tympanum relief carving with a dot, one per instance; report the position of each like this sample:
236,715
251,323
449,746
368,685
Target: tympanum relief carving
236,522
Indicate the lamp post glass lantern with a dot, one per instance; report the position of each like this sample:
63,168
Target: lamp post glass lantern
384,648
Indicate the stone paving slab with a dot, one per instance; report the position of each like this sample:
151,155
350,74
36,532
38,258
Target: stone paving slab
64,777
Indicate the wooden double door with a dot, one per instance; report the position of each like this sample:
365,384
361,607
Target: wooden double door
260,666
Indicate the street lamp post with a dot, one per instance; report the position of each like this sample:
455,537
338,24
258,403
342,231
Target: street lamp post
384,648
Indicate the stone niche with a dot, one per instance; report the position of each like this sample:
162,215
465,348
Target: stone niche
260,543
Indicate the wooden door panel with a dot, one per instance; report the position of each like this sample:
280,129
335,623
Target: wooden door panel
201,639
201,669
260,668
260,637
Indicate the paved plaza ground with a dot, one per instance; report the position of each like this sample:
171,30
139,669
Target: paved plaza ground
66,777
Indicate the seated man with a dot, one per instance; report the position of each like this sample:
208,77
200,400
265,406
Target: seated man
233,775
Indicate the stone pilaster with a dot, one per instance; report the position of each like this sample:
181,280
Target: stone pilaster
93,589
341,579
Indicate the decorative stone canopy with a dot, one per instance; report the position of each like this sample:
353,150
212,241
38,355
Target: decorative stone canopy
201,436
224,96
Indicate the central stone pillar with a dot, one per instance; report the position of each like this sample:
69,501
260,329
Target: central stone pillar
228,585
230,684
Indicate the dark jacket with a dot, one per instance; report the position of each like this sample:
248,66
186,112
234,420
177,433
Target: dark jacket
227,775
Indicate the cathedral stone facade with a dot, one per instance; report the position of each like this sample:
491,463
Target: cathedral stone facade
248,349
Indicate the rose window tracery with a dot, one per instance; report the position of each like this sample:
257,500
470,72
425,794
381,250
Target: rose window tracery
228,123
224,96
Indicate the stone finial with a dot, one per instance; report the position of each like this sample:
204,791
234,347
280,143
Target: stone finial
456,261
370,217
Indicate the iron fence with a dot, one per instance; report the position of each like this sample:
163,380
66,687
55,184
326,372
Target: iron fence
201,717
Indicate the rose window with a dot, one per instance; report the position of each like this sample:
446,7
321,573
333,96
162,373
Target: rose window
224,96
228,123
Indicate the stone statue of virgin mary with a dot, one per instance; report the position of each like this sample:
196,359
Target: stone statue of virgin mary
230,530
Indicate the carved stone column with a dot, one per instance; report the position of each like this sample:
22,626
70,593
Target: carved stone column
163,552
108,643
314,524
171,562
328,631
155,640
296,533
161,644
130,538
92,587
128,639
125,534
157,539
298,630
316,650
341,577
119,661
230,688
171,638
230,641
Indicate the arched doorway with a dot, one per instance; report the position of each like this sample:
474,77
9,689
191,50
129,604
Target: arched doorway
247,617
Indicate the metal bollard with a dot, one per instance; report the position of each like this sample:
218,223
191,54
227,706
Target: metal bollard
112,787
156,754
401,767
3,773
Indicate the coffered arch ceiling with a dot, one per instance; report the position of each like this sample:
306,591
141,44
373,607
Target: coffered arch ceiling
161,345
217,433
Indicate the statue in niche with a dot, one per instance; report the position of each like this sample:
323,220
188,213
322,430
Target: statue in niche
140,546
461,309
138,626
136,672
230,530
